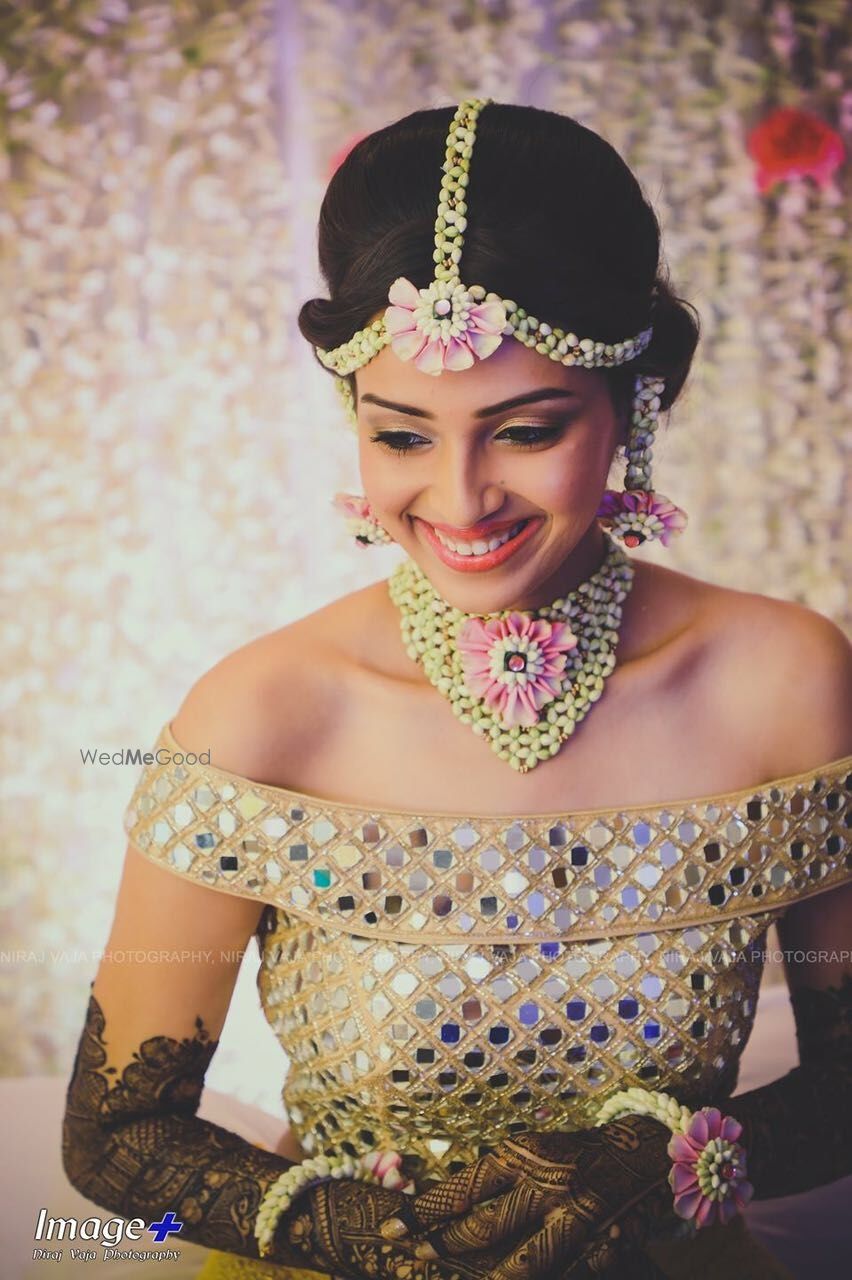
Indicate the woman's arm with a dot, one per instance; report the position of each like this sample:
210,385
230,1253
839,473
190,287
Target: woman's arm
131,1139
552,1196
798,1129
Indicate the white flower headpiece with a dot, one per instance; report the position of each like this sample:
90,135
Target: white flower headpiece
449,325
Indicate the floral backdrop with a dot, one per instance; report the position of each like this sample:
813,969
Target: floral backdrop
171,446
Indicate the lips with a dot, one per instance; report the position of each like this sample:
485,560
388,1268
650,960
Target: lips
485,530
473,563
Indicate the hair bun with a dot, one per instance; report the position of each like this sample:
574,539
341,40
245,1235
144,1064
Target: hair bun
677,329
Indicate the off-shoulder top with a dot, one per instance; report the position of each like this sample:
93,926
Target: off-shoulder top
442,980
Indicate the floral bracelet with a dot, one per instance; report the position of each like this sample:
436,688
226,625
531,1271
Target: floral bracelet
380,1167
708,1176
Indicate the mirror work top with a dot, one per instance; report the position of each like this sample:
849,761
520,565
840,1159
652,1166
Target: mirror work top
439,981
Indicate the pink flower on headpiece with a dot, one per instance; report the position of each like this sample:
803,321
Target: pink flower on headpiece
636,515
709,1151
514,663
445,326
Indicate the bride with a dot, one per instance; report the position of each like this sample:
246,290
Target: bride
601,728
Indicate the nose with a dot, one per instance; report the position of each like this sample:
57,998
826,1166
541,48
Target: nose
464,492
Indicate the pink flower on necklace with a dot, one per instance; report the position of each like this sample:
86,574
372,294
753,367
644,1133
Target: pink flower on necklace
708,1176
514,663
445,326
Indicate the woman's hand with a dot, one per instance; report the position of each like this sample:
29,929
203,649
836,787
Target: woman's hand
336,1224
550,1199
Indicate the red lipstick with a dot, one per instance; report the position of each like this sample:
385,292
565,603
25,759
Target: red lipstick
485,529
490,559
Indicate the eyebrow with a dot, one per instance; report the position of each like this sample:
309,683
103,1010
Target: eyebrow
545,393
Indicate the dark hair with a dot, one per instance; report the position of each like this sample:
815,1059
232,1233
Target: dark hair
555,221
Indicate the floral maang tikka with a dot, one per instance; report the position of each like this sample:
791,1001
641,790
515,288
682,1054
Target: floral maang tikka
448,325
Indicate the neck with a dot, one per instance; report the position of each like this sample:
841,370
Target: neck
578,567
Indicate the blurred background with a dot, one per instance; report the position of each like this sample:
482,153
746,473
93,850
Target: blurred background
171,446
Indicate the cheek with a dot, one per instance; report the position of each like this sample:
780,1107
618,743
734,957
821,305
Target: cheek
569,481
370,466
388,487
557,489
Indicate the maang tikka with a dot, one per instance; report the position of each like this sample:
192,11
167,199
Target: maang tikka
448,326
523,679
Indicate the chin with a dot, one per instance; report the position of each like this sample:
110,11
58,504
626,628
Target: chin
489,593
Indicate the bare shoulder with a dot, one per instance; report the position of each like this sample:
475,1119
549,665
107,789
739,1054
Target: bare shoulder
269,703
784,672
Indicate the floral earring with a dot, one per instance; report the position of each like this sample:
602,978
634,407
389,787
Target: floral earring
637,514
360,520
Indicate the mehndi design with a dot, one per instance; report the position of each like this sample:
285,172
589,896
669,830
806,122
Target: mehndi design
135,1145
548,1198
608,1199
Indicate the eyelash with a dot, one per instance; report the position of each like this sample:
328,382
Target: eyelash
384,438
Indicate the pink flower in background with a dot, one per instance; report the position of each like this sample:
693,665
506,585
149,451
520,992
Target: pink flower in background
514,663
340,155
709,1148
790,143
420,322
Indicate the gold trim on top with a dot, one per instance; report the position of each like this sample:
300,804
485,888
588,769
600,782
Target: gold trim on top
326,802
426,877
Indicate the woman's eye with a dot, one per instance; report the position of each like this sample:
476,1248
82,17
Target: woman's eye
529,435
408,441
397,441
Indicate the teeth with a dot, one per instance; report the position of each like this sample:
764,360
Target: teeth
480,547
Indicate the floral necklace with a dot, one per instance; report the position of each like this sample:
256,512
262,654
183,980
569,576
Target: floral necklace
523,679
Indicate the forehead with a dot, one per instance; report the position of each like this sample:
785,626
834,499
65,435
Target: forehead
511,370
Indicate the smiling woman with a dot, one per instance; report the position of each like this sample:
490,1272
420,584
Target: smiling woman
540,459
510,893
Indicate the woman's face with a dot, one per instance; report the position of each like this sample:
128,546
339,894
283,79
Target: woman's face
459,452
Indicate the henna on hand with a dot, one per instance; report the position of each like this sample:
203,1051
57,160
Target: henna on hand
132,1142
542,1197
344,1219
